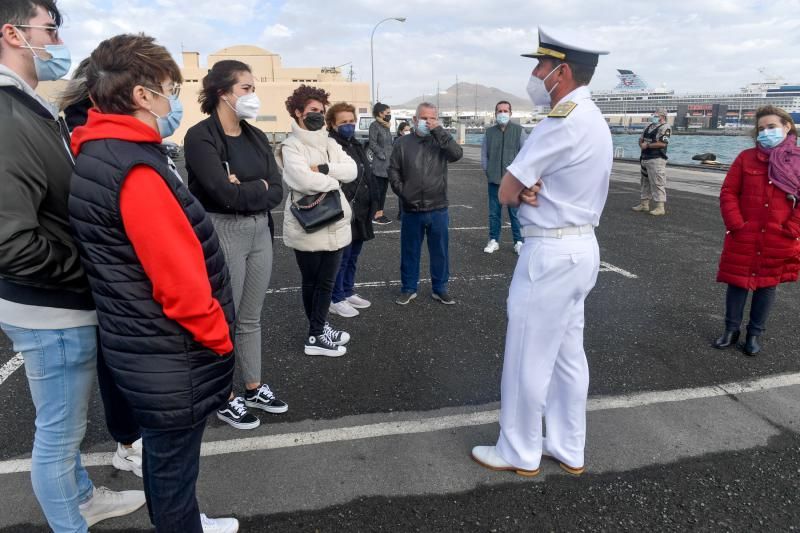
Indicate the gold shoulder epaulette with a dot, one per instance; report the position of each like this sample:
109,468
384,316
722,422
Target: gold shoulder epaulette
562,110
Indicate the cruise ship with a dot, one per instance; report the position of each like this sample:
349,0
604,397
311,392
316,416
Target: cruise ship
633,96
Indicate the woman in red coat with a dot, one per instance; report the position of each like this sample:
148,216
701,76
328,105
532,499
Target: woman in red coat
762,244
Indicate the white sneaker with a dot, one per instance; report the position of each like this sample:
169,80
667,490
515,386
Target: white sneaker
106,504
517,247
129,459
358,302
343,308
219,525
492,246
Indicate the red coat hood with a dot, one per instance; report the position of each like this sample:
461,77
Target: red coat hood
109,126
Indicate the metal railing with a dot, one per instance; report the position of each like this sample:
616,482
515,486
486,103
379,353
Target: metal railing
619,152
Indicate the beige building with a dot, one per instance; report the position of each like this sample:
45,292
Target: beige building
274,84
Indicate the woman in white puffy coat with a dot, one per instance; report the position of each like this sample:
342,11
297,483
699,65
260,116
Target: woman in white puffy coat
314,163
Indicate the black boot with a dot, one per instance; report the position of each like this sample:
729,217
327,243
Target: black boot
727,340
751,345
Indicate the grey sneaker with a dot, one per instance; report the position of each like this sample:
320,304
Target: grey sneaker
106,504
405,298
443,297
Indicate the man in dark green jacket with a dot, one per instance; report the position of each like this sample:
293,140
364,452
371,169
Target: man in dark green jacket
500,146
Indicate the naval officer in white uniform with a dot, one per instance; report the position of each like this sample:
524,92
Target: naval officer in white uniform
560,178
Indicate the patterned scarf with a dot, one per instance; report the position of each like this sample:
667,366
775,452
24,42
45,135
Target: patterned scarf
784,165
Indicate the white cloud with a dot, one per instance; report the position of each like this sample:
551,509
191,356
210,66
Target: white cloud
689,45
276,31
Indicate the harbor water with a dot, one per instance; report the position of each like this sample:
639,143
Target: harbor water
681,147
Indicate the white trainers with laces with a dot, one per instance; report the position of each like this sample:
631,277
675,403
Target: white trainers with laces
517,247
492,246
219,525
106,504
343,308
129,459
358,302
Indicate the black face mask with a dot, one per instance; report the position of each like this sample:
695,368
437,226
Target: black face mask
314,121
387,118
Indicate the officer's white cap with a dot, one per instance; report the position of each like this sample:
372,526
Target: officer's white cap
566,46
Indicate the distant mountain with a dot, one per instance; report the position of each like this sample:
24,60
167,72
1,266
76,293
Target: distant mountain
487,97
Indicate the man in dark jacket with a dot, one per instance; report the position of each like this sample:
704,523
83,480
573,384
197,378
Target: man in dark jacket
418,174
46,307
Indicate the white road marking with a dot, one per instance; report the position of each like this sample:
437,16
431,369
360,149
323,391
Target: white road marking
429,425
10,367
608,267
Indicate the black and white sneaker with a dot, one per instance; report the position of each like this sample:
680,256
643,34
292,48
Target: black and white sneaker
443,297
235,413
337,337
323,345
263,398
382,220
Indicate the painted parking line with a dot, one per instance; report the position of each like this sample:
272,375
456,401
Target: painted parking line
10,367
481,416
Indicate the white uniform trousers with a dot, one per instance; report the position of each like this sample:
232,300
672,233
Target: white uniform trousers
545,373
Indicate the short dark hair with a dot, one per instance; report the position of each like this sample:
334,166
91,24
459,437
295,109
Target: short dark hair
18,12
219,80
379,108
502,102
582,74
121,63
21,11
403,125
302,95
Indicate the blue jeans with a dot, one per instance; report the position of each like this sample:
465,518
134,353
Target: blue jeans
61,367
346,278
414,227
496,216
170,465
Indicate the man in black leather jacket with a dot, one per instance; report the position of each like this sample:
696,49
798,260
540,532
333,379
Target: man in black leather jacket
418,175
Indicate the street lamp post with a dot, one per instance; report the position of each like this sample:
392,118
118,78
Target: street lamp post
371,55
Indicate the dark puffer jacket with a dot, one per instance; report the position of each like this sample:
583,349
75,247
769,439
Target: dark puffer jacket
170,380
762,244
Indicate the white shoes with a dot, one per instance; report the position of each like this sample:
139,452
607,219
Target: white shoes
487,456
129,459
492,246
343,309
219,525
517,247
106,504
358,302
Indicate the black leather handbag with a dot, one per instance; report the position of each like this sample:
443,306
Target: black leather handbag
316,211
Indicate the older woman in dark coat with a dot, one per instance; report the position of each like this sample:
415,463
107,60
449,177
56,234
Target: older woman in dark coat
363,196
759,207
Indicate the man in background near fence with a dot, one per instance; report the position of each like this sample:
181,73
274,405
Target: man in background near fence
500,146
654,142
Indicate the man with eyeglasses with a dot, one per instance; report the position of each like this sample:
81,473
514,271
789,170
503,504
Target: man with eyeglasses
46,308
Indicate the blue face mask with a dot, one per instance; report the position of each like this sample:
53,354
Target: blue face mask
422,128
347,130
169,122
771,137
51,69
503,118
654,119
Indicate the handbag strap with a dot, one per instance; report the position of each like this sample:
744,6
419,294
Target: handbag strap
313,204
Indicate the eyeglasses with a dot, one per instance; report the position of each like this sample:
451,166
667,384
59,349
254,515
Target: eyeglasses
173,90
52,31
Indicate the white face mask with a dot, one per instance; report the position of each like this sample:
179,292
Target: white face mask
247,106
537,91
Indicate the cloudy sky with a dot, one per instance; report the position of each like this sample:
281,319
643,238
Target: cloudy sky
687,45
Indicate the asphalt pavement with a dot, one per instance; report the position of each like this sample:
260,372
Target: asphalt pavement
681,436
